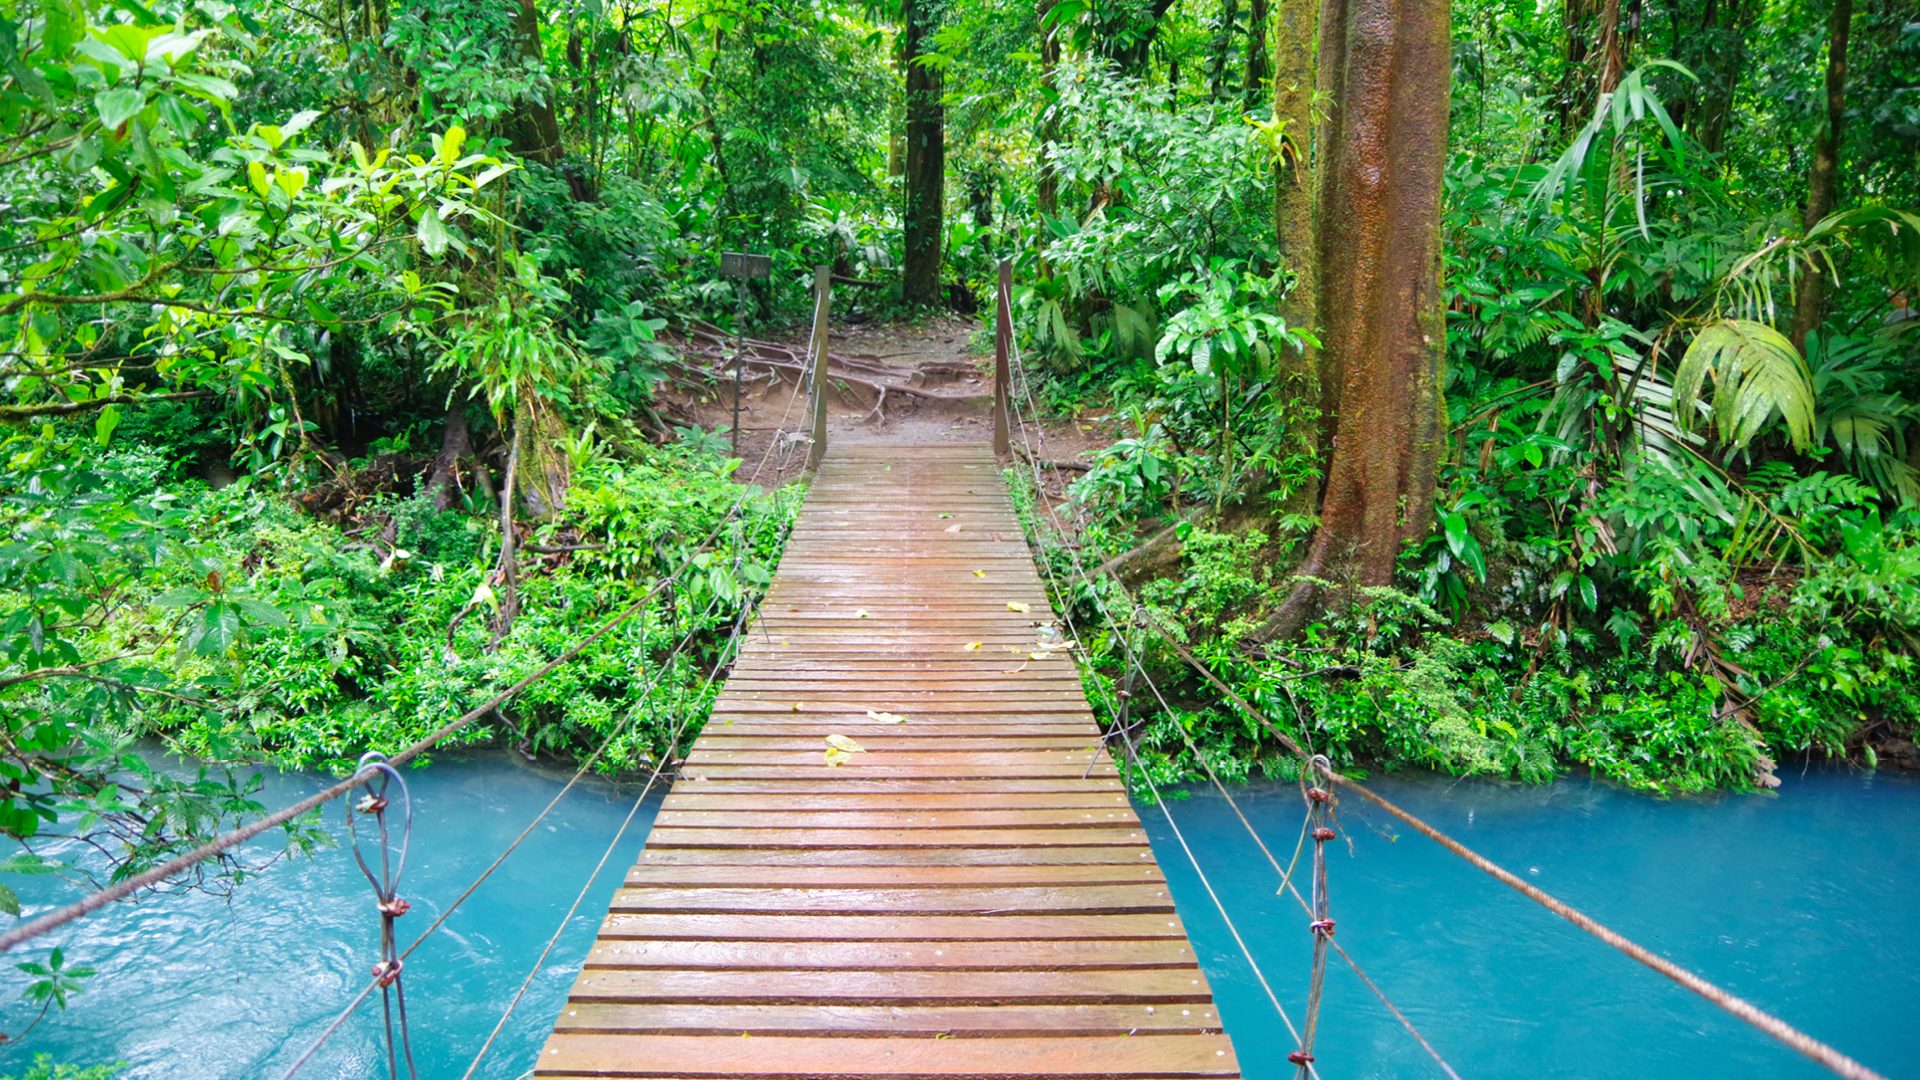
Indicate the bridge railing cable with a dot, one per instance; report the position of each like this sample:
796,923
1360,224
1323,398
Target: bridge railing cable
1063,604
720,662
1820,1052
733,515
1033,432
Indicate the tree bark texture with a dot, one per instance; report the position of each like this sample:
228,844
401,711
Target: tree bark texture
1823,184
926,162
1380,317
1294,189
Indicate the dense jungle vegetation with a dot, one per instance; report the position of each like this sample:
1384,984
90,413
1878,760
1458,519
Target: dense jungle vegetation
1502,387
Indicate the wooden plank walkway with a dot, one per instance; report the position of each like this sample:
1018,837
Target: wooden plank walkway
970,895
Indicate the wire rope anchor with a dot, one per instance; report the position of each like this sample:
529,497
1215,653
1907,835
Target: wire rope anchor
1320,805
377,778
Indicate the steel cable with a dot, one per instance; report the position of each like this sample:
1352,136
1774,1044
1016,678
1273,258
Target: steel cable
1822,1053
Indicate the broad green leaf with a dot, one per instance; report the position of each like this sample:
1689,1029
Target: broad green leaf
432,232
117,106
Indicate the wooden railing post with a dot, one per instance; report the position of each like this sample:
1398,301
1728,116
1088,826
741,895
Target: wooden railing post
1002,347
817,352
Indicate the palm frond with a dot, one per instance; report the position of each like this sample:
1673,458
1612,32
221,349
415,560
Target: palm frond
1756,374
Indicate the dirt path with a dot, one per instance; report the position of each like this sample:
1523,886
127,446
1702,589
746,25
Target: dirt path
938,390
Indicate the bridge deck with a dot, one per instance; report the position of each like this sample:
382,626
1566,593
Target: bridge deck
969,895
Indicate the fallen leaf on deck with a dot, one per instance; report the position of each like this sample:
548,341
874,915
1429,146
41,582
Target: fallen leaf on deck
953,528
1019,605
885,717
979,573
840,748
972,646
862,614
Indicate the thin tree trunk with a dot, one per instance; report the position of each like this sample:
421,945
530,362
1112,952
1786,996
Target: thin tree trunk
533,129
507,570
455,443
1823,185
1293,189
1572,100
1048,196
1381,321
1259,15
926,163
1222,49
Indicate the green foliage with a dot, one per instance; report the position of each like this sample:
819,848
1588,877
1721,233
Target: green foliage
45,1068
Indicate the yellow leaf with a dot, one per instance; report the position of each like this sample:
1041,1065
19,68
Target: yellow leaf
841,742
861,614
972,646
835,757
796,706
885,717
979,573
1019,605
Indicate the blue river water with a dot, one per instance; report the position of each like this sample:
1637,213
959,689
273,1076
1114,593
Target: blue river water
1803,901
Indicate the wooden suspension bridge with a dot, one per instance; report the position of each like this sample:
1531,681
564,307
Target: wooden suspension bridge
899,849
967,894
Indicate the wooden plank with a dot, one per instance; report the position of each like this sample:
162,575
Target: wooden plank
971,895
869,956
949,1021
1112,1057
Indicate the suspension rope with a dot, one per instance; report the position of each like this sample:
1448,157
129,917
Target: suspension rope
659,765
539,963
1319,814
1166,810
1822,1053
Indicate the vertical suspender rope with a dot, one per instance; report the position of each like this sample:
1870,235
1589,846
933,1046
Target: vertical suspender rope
1166,811
440,920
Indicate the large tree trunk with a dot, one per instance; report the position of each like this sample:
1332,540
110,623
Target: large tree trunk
926,178
1823,185
1259,14
1380,317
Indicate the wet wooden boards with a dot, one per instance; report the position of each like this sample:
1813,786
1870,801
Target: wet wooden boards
969,894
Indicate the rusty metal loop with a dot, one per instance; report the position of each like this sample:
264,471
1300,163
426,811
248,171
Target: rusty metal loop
380,777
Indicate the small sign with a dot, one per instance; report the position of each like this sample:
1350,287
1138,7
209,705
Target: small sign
740,266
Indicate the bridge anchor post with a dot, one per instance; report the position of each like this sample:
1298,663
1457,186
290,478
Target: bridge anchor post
1002,348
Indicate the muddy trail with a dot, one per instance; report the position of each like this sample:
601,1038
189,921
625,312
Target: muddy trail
925,382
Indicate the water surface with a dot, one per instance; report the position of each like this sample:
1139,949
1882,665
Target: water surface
192,987
1804,902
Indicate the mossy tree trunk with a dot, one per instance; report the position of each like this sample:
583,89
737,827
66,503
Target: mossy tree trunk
1387,63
